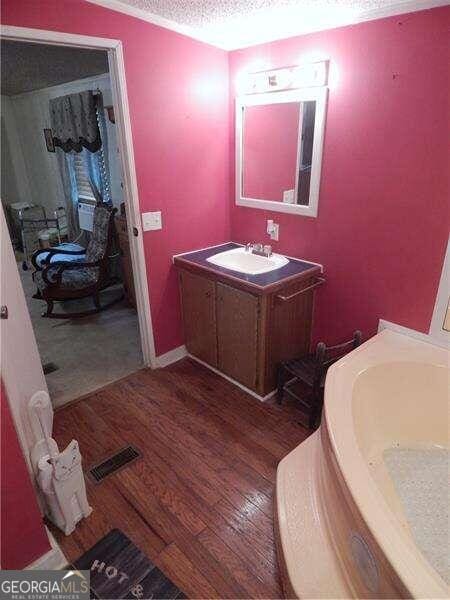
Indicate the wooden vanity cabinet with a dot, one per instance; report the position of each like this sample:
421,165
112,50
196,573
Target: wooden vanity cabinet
245,334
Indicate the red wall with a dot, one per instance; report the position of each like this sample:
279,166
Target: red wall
270,150
178,95
383,212
22,535
383,216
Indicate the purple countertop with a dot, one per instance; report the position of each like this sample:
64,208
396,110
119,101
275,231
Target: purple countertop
198,258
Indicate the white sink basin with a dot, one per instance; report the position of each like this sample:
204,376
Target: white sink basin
238,259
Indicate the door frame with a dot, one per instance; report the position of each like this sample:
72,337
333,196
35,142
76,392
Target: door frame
442,303
125,143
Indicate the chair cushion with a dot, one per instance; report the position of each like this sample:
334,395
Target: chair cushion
74,279
62,257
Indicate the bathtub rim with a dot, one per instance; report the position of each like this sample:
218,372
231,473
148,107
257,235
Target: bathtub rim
411,567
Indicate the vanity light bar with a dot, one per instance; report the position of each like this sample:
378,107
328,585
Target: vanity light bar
287,78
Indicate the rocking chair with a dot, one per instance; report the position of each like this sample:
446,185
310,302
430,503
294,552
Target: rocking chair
61,274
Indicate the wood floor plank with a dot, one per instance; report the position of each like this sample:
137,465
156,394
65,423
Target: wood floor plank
199,502
166,493
96,438
168,525
263,567
223,402
111,507
209,462
252,512
185,575
188,467
246,576
262,540
216,432
207,436
263,504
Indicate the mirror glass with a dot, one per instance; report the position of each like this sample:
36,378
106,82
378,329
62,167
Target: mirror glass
277,145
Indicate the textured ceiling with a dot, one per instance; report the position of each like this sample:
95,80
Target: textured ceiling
27,67
204,13
233,24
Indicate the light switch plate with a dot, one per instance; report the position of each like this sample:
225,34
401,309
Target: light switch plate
151,221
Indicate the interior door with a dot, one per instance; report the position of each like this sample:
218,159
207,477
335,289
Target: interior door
199,316
237,334
20,363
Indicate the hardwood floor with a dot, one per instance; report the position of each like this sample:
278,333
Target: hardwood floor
200,502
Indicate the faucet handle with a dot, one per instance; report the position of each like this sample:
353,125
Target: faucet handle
267,250
249,246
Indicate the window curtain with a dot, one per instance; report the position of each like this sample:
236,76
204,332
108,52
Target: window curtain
78,125
97,163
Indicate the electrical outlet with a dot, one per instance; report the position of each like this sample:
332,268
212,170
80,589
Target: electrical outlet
273,229
151,221
275,232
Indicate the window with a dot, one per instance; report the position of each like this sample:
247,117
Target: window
84,188
85,165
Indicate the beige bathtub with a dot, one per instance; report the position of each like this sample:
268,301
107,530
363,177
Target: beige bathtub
342,526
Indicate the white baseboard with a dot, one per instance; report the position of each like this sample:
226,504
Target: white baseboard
417,335
170,357
52,560
181,352
233,381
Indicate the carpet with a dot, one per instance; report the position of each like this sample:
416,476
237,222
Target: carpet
89,352
120,570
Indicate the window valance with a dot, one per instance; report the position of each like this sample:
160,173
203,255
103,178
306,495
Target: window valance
74,122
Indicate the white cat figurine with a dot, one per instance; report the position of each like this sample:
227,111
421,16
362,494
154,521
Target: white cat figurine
69,488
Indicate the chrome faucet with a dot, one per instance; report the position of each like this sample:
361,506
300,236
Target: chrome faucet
259,249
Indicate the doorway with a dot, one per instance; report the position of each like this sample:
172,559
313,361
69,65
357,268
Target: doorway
78,355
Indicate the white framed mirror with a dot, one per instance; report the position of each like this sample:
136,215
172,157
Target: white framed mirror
279,143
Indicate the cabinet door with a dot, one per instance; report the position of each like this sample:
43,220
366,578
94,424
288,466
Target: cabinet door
199,316
237,334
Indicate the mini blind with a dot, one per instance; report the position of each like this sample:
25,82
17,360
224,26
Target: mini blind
84,188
